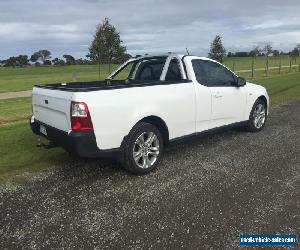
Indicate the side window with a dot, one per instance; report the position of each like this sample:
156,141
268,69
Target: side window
212,74
173,73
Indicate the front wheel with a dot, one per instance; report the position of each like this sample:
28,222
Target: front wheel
142,149
258,116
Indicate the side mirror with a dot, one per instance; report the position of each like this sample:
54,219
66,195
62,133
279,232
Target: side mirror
240,82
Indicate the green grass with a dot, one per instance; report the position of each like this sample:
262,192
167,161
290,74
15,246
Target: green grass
15,109
17,79
282,88
20,158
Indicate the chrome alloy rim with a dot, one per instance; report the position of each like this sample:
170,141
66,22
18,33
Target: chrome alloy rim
259,116
146,150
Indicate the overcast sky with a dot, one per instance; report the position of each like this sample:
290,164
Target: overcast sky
147,26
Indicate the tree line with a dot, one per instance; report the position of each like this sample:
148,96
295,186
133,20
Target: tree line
267,50
42,57
218,52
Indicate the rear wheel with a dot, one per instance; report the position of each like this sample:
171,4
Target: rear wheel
258,116
142,149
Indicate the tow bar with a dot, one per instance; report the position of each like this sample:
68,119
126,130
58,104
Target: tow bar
46,146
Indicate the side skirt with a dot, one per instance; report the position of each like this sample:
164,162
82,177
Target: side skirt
205,133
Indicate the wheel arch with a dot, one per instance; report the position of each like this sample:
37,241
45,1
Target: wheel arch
157,122
160,124
264,99
252,102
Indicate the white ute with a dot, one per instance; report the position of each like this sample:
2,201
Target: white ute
144,105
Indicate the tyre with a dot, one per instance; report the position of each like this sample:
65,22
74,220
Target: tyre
258,116
142,149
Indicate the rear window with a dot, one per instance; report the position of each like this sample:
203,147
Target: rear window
145,70
150,70
174,73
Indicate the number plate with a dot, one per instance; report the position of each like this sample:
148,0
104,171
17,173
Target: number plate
43,130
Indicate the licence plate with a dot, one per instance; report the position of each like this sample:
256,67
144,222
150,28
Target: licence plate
43,130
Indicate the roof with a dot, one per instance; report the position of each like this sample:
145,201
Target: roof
148,56
158,55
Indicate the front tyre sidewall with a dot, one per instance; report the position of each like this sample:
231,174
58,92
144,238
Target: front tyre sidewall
251,126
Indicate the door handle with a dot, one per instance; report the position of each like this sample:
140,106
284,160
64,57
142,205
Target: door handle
217,95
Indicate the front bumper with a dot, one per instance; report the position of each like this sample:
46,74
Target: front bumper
81,143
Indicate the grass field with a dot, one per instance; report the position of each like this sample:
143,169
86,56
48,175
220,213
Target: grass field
282,88
20,158
17,79
15,109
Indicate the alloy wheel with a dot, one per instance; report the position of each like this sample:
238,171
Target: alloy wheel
146,149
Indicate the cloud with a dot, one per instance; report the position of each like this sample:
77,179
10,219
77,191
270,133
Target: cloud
32,31
147,26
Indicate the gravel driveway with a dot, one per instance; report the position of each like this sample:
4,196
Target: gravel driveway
204,195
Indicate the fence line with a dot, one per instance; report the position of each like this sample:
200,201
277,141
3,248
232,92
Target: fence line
269,68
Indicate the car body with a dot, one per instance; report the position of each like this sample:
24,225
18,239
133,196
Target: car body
180,95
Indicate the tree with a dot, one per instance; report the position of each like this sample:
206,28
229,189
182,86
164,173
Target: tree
21,60
217,51
34,57
47,62
276,52
241,54
81,61
41,55
107,44
69,59
255,52
10,62
295,52
267,50
55,61
122,58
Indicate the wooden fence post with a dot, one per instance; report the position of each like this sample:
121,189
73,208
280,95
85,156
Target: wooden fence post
252,69
267,67
233,67
290,70
279,65
99,69
74,76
